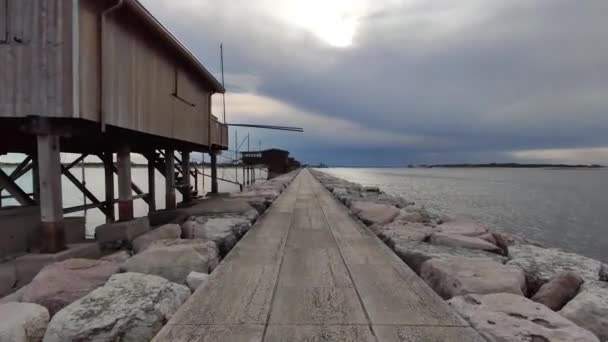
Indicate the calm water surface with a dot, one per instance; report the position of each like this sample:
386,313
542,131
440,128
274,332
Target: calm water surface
94,177
564,208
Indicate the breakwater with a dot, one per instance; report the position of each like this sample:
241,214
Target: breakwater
504,286
128,283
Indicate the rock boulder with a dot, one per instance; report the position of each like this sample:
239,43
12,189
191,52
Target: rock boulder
117,234
415,253
374,213
8,277
603,273
22,322
466,228
168,231
225,231
129,307
175,259
507,317
456,276
62,283
558,291
469,242
543,264
196,279
589,308
117,257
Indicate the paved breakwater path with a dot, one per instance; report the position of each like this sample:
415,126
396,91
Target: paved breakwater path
309,271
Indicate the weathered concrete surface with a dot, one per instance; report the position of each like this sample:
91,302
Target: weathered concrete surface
22,322
308,272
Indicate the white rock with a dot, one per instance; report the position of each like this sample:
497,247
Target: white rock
507,317
61,283
15,297
542,264
415,253
456,276
466,228
225,231
22,322
175,259
589,308
129,307
168,231
463,241
374,213
196,280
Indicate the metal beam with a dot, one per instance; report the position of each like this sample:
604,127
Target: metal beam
9,185
66,172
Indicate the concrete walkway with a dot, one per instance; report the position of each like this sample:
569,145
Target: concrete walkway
307,271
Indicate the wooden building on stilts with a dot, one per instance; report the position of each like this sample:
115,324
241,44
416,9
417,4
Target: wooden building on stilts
99,78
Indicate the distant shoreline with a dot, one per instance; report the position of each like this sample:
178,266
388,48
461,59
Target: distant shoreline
512,166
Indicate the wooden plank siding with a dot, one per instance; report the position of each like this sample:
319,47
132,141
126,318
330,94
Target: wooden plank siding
55,64
36,58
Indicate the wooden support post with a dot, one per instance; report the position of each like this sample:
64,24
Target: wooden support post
170,179
125,196
108,165
151,185
214,189
52,234
35,178
186,176
244,171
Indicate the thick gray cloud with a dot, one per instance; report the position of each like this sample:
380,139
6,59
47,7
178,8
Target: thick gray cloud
461,81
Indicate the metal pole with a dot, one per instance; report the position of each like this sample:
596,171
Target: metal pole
223,84
236,155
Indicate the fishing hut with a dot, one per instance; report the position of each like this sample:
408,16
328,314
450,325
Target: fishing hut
99,78
276,160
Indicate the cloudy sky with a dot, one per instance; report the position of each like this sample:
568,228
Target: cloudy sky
394,82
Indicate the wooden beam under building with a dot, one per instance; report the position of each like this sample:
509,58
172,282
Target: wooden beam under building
169,179
125,195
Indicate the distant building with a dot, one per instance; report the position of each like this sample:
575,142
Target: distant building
277,161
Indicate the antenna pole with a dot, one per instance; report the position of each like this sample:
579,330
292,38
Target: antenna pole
223,84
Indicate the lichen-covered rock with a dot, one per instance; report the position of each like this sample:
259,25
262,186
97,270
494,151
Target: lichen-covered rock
129,307
225,231
466,228
175,259
22,322
415,253
168,231
542,264
374,213
457,276
507,317
463,241
196,279
62,283
558,291
589,308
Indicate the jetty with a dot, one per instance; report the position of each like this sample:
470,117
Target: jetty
308,271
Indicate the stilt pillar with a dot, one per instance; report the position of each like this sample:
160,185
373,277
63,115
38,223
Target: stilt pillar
108,168
214,189
151,184
125,196
186,176
170,179
52,234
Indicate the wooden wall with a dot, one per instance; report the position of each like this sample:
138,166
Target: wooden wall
36,58
147,88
